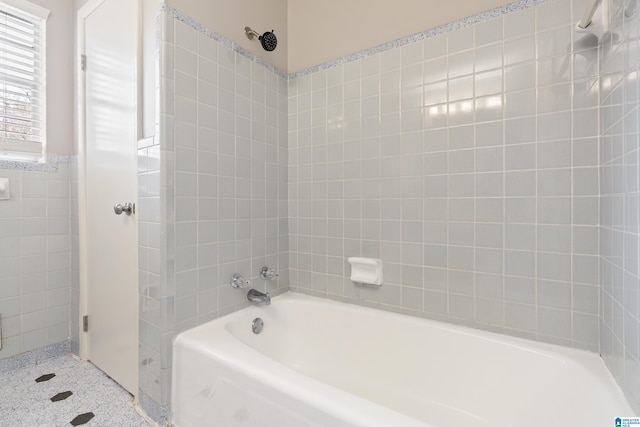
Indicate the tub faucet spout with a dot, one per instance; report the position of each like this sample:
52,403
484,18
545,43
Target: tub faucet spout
258,297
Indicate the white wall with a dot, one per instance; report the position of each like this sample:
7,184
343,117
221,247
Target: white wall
228,18
321,31
59,75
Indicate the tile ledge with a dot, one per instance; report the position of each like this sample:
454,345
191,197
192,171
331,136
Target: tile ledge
51,165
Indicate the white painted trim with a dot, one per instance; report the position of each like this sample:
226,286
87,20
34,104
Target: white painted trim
82,14
27,7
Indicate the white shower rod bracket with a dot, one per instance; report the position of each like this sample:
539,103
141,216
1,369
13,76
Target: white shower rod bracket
590,10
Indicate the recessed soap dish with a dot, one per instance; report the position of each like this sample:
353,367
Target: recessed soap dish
366,270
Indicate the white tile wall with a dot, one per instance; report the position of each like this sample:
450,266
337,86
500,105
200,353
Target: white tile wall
465,162
213,194
36,270
469,162
619,208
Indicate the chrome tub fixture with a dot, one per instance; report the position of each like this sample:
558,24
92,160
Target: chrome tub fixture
268,273
256,297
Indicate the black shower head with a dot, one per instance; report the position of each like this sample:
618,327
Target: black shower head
268,39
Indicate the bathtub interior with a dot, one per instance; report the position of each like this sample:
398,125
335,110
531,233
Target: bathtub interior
456,375
232,389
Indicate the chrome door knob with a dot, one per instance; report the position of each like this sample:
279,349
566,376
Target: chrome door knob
128,208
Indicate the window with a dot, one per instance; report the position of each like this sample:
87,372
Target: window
22,81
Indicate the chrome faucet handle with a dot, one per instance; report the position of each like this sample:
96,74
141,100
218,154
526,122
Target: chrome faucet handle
268,273
237,281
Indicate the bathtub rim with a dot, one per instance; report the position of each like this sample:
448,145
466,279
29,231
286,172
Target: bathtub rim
539,347
246,364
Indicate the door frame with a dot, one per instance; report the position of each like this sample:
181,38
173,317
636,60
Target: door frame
80,124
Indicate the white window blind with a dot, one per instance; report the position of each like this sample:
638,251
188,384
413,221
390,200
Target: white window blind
22,81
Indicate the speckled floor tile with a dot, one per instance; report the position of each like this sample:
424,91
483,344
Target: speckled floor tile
25,402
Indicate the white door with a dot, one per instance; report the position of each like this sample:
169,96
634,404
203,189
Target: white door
111,45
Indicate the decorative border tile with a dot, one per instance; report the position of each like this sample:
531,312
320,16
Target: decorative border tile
152,409
18,361
446,28
52,351
220,39
75,347
51,165
34,357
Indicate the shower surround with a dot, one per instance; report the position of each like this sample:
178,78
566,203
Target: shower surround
620,201
212,192
467,162
491,163
465,157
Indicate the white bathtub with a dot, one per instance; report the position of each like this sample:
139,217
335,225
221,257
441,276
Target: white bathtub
327,364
